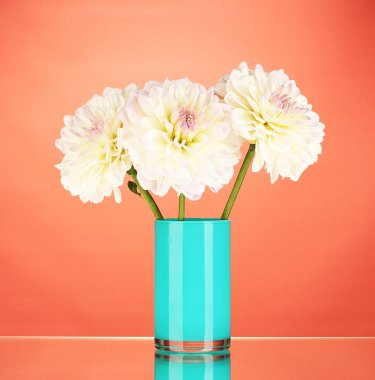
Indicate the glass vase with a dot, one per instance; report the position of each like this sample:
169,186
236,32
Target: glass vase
192,285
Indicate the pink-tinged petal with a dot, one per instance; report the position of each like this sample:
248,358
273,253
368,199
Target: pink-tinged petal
146,103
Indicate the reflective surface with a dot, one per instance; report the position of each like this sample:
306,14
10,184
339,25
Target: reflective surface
126,359
177,366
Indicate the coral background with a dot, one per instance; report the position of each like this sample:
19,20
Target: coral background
303,253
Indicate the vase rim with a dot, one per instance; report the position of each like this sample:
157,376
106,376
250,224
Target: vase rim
193,220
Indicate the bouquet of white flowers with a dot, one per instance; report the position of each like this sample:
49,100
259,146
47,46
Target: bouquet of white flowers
180,135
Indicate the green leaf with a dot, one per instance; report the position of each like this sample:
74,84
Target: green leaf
133,187
132,171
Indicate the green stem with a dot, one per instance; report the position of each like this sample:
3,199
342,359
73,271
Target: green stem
146,195
181,207
237,185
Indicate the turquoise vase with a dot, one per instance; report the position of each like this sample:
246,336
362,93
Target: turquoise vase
206,366
192,285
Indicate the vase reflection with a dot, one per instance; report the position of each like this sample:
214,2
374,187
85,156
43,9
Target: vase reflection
201,366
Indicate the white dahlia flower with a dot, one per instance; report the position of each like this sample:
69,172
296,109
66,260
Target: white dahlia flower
180,135
94,165
269,110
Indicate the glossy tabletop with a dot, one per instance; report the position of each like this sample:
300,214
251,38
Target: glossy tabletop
134,358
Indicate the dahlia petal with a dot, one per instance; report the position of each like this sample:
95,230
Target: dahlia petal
117,194
258,162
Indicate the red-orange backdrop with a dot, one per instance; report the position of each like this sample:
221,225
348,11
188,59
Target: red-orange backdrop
303,253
